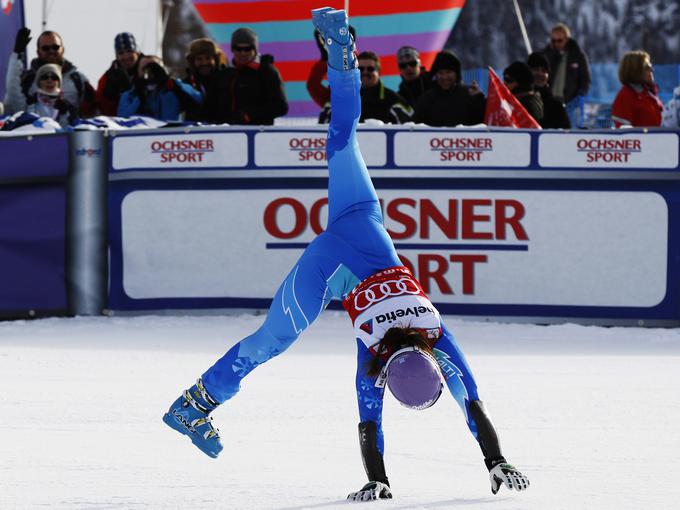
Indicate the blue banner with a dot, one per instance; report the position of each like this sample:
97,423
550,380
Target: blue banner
11,20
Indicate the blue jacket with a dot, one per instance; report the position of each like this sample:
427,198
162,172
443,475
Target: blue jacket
161,103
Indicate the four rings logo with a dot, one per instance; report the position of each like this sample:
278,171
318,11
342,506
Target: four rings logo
7,6
382,290
461,148
607,150
308,148
183,151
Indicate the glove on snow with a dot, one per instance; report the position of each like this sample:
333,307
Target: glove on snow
507,474
370,492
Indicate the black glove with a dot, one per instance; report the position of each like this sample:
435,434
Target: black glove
139,87
318,39
157,74
371,492
22,40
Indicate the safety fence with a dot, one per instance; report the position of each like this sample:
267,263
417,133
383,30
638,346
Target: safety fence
545,226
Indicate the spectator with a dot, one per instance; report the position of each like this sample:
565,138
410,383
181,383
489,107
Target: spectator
118,78
258,95
414,78
75,86
520,81
2,108
48,100
569,72
449,102
637,103
155,94
320,93
208,73
554,113
377,101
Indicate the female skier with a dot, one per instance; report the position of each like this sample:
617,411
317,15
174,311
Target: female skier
402,343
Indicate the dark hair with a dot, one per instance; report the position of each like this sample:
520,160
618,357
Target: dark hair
393,340
370,55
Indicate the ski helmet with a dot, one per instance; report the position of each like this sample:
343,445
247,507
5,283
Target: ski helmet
413,377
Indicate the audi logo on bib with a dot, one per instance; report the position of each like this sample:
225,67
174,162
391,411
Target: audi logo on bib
383,290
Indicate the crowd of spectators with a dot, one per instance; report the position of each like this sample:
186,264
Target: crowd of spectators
551,85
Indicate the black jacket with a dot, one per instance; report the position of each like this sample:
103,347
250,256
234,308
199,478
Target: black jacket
412,90
257,94
554,113
384,104
438,107
532,104
217,100
577,80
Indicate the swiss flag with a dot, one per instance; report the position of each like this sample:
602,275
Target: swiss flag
503,109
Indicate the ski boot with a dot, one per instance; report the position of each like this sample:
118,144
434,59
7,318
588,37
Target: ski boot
190,415
334,28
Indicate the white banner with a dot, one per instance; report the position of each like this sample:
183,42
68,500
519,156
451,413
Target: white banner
634,150
305,149
568,248
190,150
462,149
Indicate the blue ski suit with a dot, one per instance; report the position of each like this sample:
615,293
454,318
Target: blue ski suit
354,246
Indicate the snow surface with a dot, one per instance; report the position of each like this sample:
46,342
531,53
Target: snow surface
590,414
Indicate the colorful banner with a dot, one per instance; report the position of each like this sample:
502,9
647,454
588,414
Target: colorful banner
11,20
285,30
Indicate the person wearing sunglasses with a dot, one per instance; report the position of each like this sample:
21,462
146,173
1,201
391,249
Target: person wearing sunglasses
637,103
257,90
414,78
569,72
48,100
76,88
402,343
378,101
450,102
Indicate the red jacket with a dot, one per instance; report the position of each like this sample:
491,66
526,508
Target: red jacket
641,108
320,93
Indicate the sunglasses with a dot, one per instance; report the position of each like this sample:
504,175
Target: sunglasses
49,76
557,41
367,69
243,49
50,47
410,63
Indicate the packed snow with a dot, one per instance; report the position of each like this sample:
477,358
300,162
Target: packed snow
590,414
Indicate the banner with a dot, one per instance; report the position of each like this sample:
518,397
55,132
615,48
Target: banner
503,108
284,29
11,20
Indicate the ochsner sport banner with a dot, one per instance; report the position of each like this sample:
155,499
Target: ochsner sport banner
284,29
11,20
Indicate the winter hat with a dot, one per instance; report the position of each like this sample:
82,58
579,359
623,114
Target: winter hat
521,73
244,36
407,53
446,60
125,41
204,46
537,59
48,69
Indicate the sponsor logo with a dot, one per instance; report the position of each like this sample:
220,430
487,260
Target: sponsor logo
415,311
461,148
7,6
89,153
189,150
608,150
181,419
367,327
308,148
382,290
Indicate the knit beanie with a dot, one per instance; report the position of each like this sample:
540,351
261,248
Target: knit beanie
407,53
538,59
47,69
520,73
125,41
446,60
244,36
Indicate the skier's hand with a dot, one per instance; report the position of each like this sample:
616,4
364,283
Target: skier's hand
22,40
371,492
507,474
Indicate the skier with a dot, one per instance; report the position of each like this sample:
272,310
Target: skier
402,342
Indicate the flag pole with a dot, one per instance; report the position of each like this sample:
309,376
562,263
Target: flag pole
44,15
523,28
347,7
